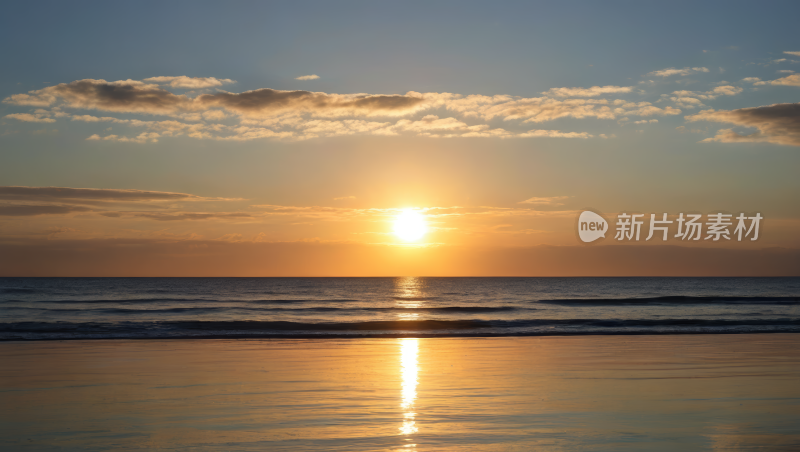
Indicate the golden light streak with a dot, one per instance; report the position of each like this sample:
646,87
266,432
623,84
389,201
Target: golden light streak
409,370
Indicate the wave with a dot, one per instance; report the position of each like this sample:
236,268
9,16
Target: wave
661,300
180,300
211,309
18,290
415,298
420,328
673,299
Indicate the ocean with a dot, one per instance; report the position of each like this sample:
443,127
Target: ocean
163,308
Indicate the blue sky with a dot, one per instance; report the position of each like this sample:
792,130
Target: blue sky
519,48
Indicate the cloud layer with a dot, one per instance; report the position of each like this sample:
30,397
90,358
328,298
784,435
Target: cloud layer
299,114
207,112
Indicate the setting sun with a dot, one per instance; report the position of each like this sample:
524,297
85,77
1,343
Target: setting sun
410,225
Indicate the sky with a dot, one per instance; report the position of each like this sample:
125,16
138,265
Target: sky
285,139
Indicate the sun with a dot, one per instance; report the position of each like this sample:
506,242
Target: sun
410,225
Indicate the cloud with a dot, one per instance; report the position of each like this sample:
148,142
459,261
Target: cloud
646,121
587,92
541,109
183,81
673,71
430,122
100,194
433,126
687,102
110,203
691,99
144,137
546,201
553,134
317,128
307,77
57,230
751,79
124,96
169,128
325,213
789,80
792,53
244,133
300,115
778,124
214,115
27,117
725,90
182,216
90,118
538,109
20,210
269,102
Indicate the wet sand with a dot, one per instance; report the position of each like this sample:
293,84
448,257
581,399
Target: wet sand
608,393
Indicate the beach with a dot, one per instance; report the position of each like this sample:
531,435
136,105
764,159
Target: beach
665,392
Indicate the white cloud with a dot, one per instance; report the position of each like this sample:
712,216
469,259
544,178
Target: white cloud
183,81
143,137
307,77
691,99
673,71
725,90
546,201
792,53
27,117
594,91
553,134
687,102
789,80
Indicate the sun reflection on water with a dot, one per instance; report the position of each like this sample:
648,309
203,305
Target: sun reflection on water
409,369
409,295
